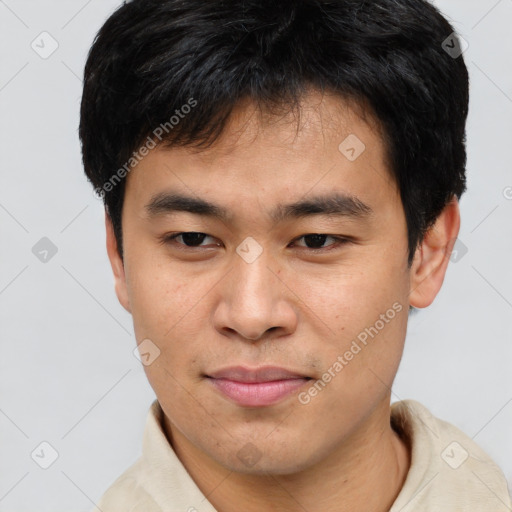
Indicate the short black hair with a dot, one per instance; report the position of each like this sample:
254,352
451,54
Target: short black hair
172,71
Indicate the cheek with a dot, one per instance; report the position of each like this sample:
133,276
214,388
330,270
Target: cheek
170,308
349,297
365,309
162,298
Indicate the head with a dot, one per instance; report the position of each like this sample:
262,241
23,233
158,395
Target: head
315,153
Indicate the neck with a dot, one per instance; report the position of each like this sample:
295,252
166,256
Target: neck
365,473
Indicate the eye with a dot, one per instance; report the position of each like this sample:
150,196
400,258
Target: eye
192,239
317,240
189,239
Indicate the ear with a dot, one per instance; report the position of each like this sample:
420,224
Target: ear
432,256
117,265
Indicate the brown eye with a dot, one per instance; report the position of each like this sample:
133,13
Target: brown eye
316,241
190,239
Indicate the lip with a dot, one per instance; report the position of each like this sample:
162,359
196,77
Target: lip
258,387
252,375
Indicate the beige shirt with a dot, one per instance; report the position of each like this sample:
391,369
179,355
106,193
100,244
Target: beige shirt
448,473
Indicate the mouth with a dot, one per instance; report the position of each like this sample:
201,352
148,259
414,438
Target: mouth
258,387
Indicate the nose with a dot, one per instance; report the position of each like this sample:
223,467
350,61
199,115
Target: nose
255,301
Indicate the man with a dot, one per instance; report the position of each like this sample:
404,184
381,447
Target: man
281,183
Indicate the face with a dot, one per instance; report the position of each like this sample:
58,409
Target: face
319,291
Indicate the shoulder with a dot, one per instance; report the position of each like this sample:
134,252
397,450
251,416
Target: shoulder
448,469
127,494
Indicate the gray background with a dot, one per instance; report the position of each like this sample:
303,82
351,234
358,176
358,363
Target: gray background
67,372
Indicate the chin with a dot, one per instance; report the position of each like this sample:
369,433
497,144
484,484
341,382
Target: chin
251,461
268,468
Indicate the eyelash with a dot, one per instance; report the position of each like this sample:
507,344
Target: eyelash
339,241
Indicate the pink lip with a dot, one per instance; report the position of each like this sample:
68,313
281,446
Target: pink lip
258,387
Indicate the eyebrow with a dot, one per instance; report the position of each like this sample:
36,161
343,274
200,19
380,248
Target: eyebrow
334,204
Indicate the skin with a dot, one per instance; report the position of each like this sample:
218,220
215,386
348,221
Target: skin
206,308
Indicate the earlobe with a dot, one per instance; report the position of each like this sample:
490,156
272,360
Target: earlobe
117,265
432,256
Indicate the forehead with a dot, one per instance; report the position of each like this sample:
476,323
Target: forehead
317,118
328,142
